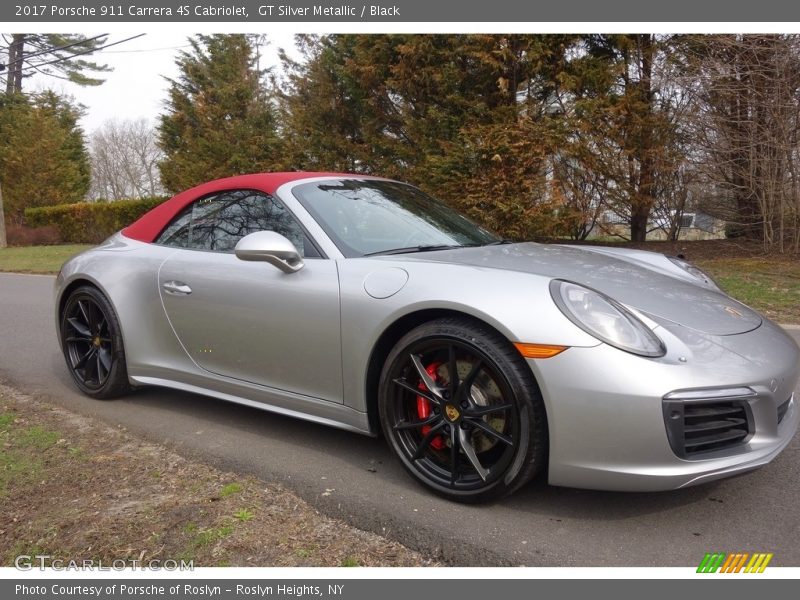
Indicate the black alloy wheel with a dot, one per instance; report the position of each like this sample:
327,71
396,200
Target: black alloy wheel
461,409
92,344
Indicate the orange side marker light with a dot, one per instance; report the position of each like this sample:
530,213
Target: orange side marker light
539,350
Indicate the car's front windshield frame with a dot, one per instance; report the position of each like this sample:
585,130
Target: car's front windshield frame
420,222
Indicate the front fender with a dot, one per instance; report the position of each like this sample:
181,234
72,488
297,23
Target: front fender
518,305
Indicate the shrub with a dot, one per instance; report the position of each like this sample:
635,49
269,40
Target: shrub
20,235
734,230
90,222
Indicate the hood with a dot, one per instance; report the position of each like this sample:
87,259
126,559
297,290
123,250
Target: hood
649,288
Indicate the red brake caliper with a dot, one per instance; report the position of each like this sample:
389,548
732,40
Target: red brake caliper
424,407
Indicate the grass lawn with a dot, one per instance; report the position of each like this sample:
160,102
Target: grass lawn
768,284
37,259
74,488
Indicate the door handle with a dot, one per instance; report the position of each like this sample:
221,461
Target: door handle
177,288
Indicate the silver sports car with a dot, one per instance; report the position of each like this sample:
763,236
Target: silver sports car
362,303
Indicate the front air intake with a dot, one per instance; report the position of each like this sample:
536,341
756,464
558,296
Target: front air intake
695,427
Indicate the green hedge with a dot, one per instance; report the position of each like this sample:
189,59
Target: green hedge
90,222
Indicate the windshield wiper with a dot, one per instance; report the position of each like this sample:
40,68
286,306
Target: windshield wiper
500,242
410,249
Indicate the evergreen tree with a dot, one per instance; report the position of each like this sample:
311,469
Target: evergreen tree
456,114
625,122
220,121
43,160
52,54
67,115
323,108
552,134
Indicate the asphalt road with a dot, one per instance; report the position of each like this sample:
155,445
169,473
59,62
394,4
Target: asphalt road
356,478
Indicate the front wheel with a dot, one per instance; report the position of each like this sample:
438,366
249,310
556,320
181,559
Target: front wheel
91,340
462,411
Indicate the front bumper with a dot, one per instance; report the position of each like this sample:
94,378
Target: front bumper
606,408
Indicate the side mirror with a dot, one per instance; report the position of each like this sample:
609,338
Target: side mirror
271,247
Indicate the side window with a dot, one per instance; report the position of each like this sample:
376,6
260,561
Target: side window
176,233
218,222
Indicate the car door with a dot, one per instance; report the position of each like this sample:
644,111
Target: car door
249,320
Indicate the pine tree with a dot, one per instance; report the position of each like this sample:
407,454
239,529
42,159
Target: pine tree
52,54
220,121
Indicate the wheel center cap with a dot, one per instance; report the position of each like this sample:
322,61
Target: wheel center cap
452,412
96,341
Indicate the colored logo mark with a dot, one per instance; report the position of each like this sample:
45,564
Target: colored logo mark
734,562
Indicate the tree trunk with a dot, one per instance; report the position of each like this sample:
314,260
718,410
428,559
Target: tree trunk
3,240
643,201
12,60
647,173
639,217
16,52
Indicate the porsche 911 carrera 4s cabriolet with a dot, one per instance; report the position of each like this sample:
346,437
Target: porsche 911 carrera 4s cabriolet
362,303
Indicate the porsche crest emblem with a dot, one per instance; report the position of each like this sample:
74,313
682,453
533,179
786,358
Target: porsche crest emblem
451,412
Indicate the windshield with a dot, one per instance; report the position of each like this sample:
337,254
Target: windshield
366,217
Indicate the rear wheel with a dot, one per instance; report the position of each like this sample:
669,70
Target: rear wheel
461,410
91,340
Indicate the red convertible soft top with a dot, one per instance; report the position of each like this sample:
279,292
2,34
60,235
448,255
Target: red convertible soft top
149,225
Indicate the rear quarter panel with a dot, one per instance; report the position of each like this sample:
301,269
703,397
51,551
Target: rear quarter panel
126,272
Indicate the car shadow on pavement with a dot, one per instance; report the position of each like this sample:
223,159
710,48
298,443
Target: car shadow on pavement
560,502
372,455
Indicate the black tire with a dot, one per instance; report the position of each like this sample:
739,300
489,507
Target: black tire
492,413
91,340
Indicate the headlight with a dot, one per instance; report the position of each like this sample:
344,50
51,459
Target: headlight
698,274
606,319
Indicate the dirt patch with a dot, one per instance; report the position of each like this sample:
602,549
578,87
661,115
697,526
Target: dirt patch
74,488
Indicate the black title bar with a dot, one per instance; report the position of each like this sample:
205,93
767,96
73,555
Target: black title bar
411,11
